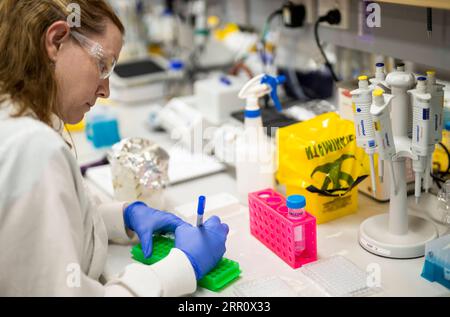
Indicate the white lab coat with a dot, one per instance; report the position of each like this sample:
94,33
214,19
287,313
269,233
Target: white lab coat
53,237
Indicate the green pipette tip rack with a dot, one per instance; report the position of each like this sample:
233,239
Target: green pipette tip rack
225,272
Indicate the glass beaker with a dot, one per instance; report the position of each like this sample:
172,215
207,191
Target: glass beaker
442,213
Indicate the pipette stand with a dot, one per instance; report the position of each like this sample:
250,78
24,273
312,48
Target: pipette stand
398,234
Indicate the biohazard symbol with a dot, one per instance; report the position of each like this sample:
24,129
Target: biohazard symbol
333,173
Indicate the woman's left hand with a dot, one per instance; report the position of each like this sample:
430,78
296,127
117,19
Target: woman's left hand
145,221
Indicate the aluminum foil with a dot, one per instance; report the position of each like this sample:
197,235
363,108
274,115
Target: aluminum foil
145,159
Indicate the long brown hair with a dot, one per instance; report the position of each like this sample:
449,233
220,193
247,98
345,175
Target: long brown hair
26,72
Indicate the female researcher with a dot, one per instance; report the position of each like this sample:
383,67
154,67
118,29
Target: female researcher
52,73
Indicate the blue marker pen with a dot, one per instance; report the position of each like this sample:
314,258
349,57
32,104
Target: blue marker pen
200,210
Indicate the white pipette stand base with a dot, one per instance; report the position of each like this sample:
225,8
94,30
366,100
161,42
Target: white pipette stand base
374,236
398,234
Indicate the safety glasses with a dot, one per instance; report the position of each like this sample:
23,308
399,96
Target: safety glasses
105,64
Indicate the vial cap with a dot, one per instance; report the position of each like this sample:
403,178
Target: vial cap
378,92
176,64
431,72
213,21
167,12
201,205
296,201
379,64
363,77
421,78
225,80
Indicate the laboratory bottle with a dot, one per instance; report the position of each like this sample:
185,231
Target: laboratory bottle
176,73
296,211
255,161
255,151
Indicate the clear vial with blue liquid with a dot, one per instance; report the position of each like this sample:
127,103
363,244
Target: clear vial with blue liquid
296,211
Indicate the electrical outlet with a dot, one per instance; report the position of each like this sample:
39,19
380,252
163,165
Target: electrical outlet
344,7
311,10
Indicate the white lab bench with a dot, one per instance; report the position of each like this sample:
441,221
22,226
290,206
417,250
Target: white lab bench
339,237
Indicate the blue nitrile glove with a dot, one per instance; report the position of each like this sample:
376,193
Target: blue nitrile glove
145,221
204,245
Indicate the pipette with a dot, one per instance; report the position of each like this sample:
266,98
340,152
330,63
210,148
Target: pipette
380,111
379,81
436,105
365,133
436,120
421,131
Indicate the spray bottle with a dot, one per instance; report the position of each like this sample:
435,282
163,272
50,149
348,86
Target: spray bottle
380,111
421,132
365,133
255,153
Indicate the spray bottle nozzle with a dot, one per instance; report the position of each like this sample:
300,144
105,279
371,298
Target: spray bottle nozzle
273,82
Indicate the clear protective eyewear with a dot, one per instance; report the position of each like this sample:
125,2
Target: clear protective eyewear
105,64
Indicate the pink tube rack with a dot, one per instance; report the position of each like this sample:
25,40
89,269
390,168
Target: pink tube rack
270,224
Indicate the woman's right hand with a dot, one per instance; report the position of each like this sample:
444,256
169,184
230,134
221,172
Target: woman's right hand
204,245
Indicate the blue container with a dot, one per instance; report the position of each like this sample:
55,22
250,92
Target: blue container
446,115
447,125
102,130
437,261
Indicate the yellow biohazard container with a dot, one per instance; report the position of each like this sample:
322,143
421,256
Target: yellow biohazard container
440,156
320,160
